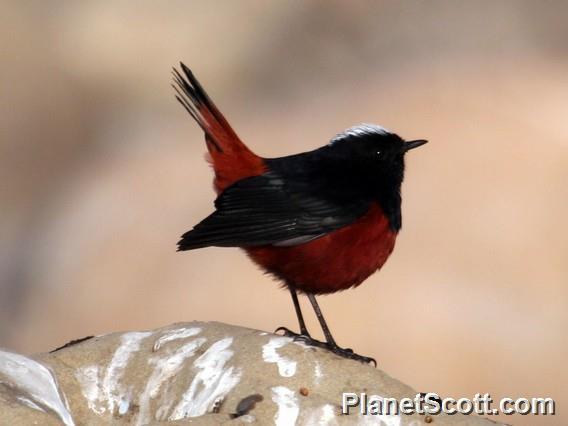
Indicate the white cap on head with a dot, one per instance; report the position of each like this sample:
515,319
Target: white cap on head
360,130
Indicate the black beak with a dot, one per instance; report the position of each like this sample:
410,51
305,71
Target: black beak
414,144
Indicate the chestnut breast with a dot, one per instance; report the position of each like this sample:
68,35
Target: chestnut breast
337,261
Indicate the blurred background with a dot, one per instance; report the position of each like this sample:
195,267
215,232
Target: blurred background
101,171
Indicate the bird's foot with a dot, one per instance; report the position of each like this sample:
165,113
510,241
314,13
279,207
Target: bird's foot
349,354
301,337
310,341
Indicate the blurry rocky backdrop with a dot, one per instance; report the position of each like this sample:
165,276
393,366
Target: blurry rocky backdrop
101,171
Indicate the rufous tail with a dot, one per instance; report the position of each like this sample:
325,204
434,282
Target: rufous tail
232,160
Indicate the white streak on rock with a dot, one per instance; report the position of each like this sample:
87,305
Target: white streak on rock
379,419
318,374
286,366
88,378
165,368
247,418
288,408
327,415
388,420
112,391
124,405
178,333
321,416
35,383
212,382
29,403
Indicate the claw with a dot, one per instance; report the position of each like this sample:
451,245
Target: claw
342,352
349,354
288,332
284,329
295,336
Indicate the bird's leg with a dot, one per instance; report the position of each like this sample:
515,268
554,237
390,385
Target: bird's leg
301,322
328,337
331,345
303,329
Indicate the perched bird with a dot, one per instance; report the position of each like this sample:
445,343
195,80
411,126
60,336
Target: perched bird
320,221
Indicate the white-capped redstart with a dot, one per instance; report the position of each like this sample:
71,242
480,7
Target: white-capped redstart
319,221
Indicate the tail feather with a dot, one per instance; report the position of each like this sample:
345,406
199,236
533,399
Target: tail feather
232,160
190,96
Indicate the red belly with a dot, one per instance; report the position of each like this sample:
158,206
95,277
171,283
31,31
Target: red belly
334,262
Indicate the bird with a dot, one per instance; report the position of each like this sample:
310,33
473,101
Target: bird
319,222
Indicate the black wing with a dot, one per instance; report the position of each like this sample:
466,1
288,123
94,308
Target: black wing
269,209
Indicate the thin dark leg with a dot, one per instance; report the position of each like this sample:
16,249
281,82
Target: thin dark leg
303,329
328,337
304,334
331,345
305,337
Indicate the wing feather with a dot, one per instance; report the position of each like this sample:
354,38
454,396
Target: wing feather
268,210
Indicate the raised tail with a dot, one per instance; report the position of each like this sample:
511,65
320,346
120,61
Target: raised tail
232,160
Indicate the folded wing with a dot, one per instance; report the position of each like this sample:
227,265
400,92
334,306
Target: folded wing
268,210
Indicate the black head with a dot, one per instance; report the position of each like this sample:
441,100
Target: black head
374,153
372,160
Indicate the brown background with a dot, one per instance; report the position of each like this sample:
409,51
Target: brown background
101,171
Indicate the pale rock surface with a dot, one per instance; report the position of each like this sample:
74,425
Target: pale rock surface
194,373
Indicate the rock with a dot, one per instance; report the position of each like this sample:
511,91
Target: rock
195,373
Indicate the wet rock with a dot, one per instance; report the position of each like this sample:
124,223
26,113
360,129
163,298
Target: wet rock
195,373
